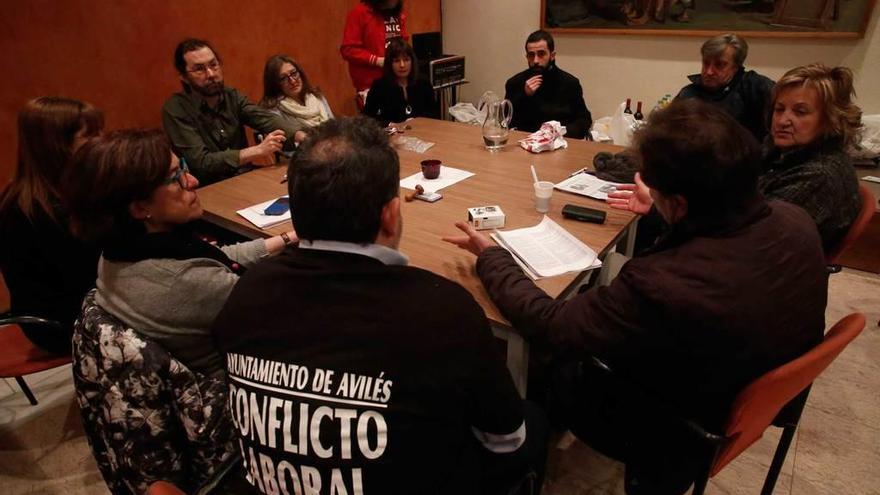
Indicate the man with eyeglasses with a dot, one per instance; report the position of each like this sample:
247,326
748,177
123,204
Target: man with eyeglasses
205,122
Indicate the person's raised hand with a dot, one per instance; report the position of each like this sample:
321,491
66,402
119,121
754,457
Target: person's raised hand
633,197
271,144
472,241
532,84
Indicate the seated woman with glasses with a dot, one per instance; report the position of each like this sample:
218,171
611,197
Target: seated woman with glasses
287,92
400,94
46,269
129,193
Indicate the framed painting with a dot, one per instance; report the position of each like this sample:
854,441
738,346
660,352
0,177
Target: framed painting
754,18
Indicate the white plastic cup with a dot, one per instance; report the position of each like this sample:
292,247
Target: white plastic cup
543,193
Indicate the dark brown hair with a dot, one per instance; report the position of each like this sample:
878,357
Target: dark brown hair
272,91
398,47
46,129
696,150
107,174
376,5
541,35
190,45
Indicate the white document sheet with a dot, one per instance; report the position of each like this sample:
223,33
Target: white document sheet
448,176
588,185
254,214
547,250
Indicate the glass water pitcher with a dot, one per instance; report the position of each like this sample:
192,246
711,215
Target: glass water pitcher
498,114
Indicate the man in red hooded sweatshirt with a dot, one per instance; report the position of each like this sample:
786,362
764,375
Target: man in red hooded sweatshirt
368,28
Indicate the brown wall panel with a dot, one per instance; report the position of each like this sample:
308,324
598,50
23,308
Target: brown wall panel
117,54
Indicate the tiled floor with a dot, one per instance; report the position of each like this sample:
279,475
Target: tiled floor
836,450
42,448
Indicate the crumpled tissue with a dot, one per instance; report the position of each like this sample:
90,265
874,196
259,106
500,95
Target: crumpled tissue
547,138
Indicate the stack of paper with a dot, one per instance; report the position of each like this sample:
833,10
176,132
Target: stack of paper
547,250
254,214
587,185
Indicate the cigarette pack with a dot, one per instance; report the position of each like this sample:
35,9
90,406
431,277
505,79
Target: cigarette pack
486,217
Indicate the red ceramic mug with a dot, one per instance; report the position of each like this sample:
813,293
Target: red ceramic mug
431,169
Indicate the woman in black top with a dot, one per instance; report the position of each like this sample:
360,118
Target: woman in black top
813,122
400,94
46,270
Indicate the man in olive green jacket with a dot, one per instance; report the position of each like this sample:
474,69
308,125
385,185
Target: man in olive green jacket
205,122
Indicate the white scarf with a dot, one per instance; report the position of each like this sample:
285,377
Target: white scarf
311,114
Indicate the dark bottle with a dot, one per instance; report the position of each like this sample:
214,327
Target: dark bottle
638,115
628,109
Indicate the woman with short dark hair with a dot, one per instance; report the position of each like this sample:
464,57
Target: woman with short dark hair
129,193
288,92
813,122
46,269
400,94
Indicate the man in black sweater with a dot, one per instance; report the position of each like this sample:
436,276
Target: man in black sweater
545,92
351,372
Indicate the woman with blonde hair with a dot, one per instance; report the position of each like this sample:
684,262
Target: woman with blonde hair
46,269
813,122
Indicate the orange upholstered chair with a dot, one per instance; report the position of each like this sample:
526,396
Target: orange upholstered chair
164,488
759,404
869,205
19,357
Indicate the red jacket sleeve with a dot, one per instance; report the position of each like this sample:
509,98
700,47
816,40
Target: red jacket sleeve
352,48
403,32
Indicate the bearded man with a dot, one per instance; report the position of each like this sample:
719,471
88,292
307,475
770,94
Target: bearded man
205,122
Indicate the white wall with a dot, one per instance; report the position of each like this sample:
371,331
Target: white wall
491,35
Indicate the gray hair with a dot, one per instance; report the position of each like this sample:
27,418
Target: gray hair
714,47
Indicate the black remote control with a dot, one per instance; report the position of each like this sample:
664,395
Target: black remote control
583,214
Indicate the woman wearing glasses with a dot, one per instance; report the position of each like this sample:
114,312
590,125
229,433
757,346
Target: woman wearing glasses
287,92
400,94
46,269
129,193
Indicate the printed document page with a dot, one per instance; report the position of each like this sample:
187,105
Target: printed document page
547,249
587,185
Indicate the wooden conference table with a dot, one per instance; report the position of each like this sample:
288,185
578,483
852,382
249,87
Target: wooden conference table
501,178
